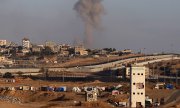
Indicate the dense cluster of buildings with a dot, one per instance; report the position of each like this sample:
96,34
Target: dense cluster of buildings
10,51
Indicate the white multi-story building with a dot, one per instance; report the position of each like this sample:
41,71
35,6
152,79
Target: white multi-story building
3,42
26,43
137,98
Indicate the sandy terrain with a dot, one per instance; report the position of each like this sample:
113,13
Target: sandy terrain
89,61
4,104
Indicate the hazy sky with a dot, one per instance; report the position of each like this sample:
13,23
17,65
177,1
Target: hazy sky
134,24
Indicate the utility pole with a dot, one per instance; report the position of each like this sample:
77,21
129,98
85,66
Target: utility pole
172,61
46,73
63,76
154,71
177,74
144,54
164,74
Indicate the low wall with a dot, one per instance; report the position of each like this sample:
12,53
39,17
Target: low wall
28,70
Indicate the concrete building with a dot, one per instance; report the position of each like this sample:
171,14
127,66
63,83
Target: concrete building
137,98
128,71
3,42
12,44
36,49
25,51
4,60
64,47
102,52
26,43
51,45
83,52
126,51
2,50
91,94
64,53
80,50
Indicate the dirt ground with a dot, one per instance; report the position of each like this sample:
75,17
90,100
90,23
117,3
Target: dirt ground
47,99
4,104
89,61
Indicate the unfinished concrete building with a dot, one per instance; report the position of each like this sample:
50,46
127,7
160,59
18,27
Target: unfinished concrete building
137,98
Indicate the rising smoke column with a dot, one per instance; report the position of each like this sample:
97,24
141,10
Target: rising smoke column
90,11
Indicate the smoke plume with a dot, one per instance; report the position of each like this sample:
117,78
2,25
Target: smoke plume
90,11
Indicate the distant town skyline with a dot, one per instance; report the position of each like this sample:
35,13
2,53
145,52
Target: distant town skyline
153,25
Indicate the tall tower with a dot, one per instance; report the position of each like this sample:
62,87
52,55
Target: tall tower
137,98
26,43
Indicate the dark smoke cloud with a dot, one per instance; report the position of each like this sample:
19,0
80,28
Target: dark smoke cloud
90,11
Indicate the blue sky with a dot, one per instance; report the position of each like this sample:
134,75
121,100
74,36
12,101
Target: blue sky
135,24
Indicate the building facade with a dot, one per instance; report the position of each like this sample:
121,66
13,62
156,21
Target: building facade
91,94
80,50
26,43
36,49
128,72
3,42
4,60
137,98
126,51
52,45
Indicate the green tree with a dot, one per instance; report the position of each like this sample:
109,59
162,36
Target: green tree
47,51
8,75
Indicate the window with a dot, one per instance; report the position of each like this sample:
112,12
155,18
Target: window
133,93
133,83
138,93
133,73
141,73
90,95
141,93
138,73
139,85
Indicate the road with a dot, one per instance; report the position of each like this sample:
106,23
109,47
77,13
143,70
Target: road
98,68
173,99
157,60
163,77
118,64
174,96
